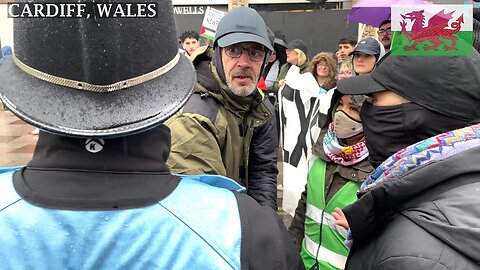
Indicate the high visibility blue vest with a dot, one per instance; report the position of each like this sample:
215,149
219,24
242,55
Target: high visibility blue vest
197,226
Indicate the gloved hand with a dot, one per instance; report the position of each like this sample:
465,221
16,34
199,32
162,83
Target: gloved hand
349,241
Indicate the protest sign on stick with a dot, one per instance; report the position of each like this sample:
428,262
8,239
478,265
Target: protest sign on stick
210,22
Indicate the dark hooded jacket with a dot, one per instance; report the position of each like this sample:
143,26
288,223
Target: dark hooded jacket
427,219
217,132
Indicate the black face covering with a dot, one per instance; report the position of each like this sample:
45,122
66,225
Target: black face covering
389,129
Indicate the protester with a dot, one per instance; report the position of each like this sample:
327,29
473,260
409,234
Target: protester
97,193
296,56
385,34
189,41
345,47
337,56
277,59
323,68
345,69
336,174
367,53
419,209
227,127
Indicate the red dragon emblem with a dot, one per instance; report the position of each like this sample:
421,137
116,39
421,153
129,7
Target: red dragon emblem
437,28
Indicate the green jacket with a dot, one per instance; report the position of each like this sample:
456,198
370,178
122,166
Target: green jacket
217,132
283,73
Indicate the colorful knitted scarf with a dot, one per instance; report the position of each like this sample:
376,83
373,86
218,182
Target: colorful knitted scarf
417,155
343,155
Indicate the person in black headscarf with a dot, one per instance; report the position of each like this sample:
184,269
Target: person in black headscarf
277,59
419,209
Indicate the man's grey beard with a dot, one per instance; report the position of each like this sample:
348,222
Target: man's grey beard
240,93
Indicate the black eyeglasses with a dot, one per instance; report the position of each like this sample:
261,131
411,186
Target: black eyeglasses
235,51
384,31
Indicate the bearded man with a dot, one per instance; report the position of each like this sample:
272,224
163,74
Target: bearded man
228,127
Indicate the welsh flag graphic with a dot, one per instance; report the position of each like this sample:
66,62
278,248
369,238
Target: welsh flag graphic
432,30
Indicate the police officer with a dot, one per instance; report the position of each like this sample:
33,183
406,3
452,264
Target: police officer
97,193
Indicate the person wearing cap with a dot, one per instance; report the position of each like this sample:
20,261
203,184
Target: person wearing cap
367,53
385,34
339,168
228,125
296,56
323,69
419,209
97,193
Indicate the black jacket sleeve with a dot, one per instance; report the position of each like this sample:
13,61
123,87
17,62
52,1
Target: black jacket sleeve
297,227
266,243
262,164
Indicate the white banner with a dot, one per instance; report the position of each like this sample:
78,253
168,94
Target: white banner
302,113
212,18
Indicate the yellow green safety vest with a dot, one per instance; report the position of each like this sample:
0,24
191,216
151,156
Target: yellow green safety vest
332,253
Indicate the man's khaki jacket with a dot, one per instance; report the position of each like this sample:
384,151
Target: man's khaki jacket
217,132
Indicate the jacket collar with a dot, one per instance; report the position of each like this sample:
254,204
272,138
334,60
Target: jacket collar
142,152
98,174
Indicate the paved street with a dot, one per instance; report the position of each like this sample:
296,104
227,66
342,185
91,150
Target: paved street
16,142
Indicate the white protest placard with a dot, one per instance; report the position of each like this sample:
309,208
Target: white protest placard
210,22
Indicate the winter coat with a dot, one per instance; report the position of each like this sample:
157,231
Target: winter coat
217,132
336,176
120,208
283,73
427,219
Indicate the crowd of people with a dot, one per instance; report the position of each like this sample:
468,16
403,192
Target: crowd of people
166,158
